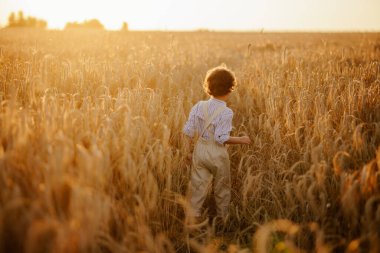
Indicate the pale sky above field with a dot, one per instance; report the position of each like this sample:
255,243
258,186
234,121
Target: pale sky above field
315,15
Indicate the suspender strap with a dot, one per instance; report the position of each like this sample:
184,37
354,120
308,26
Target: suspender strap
208,120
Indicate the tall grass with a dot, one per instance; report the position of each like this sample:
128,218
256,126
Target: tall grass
92,157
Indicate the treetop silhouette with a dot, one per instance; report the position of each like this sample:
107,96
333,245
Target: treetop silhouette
19,20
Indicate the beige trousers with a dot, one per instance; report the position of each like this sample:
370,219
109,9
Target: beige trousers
210,160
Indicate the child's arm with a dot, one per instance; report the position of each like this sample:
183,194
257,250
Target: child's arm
188,133
238,140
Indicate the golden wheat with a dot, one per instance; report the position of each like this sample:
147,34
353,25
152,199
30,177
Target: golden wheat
92,157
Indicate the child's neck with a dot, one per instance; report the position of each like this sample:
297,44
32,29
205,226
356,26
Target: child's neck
223,98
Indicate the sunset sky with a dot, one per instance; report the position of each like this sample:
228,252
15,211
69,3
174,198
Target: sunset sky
315,15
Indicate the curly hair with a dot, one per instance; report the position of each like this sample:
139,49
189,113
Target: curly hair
219,81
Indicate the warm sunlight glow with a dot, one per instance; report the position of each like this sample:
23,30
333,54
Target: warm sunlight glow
210,14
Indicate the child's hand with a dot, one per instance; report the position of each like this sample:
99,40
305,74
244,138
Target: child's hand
245,140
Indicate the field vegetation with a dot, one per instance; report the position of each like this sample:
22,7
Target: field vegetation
92,157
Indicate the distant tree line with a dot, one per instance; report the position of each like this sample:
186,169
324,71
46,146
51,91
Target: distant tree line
92,24
19,20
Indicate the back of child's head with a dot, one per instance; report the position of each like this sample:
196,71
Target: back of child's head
219,81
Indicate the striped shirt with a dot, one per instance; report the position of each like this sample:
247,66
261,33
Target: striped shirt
221,124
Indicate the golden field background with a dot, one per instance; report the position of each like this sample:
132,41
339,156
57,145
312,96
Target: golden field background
91,151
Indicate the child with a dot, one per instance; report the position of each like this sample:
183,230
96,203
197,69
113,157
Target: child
211,120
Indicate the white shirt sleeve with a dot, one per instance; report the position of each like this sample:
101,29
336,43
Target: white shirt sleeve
190,127
224,127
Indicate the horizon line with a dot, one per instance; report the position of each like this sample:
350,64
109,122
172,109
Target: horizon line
202,29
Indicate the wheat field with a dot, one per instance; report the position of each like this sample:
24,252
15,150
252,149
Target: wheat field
92,158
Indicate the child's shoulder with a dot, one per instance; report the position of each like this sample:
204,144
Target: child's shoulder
228,112
198,106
